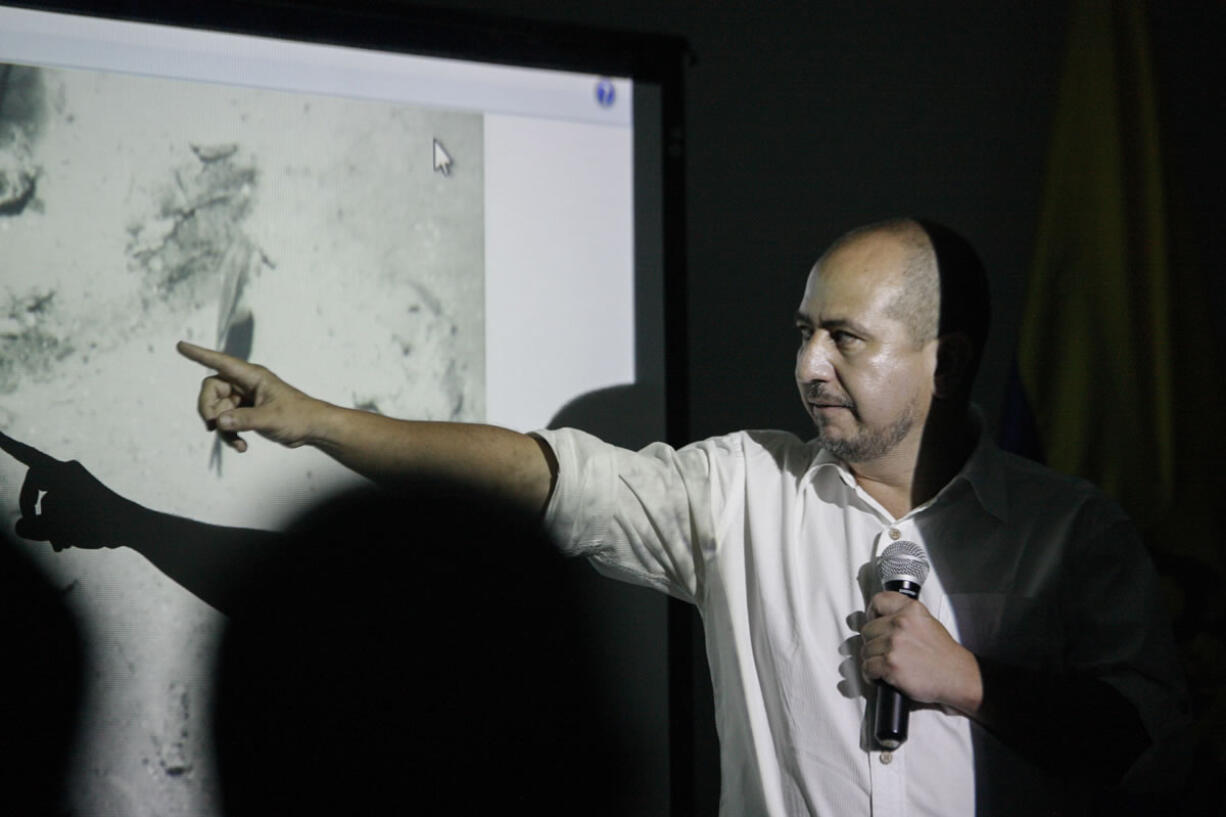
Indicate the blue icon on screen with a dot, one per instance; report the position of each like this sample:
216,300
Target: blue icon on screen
605,93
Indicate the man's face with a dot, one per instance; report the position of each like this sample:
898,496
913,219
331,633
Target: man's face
863,378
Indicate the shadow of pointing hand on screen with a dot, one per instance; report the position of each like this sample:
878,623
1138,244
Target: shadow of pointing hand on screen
75,509
63,504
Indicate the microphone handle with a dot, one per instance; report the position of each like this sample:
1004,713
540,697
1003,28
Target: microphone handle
892,707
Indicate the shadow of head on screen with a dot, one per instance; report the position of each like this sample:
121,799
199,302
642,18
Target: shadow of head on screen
630,415
41,686
417,653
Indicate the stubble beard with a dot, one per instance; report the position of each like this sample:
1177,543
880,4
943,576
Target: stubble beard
868,444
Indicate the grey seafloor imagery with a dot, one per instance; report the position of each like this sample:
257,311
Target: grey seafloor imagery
308,233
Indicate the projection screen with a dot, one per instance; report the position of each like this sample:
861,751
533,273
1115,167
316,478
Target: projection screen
424,237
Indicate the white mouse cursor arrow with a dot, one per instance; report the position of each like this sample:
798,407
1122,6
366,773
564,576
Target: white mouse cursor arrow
442,159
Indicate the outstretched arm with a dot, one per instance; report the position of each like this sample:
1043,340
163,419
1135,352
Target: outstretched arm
247,397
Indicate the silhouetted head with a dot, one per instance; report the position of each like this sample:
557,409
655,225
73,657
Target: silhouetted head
412,654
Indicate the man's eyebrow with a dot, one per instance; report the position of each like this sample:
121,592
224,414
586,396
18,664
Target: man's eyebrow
845,323
833,323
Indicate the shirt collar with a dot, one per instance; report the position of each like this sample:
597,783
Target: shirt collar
823,460
981,471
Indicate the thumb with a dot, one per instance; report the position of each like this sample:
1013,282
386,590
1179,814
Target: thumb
250,418
270,420
886,603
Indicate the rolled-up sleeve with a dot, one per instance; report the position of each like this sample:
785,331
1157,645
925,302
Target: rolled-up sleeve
645,517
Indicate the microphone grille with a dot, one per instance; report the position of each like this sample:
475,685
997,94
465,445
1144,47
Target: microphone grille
902,560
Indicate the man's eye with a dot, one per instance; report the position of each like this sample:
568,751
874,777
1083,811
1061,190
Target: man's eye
805,333
843,339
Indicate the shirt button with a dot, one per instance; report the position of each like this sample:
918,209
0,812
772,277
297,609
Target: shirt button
887,758
894,534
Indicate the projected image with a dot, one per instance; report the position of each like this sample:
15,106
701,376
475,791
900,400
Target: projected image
339,242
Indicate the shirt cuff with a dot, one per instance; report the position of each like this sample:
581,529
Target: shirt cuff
583,493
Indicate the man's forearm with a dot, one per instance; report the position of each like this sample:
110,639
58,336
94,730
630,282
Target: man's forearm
388,451
244,396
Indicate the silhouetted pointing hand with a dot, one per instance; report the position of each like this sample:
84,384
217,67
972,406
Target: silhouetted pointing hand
76,510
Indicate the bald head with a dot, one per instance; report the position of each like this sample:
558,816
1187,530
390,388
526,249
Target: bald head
942,286
917,304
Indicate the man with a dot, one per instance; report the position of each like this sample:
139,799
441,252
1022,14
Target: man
1035,654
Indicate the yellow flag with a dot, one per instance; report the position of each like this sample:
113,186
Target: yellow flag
1096,349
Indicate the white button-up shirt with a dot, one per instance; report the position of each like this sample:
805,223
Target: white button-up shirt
775,543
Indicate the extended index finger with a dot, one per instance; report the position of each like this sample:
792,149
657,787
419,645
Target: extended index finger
26,455
231,368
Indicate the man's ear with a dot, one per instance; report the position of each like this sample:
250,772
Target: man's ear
955,353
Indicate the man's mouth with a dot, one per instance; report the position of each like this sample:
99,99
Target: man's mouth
824,402
825,411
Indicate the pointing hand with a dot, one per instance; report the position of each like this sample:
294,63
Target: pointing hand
244,396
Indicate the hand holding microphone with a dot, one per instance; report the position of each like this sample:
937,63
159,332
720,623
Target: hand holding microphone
902,568
908,652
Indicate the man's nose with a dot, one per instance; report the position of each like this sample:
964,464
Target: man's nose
813,360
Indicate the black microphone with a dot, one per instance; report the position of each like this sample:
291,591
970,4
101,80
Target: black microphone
902,568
